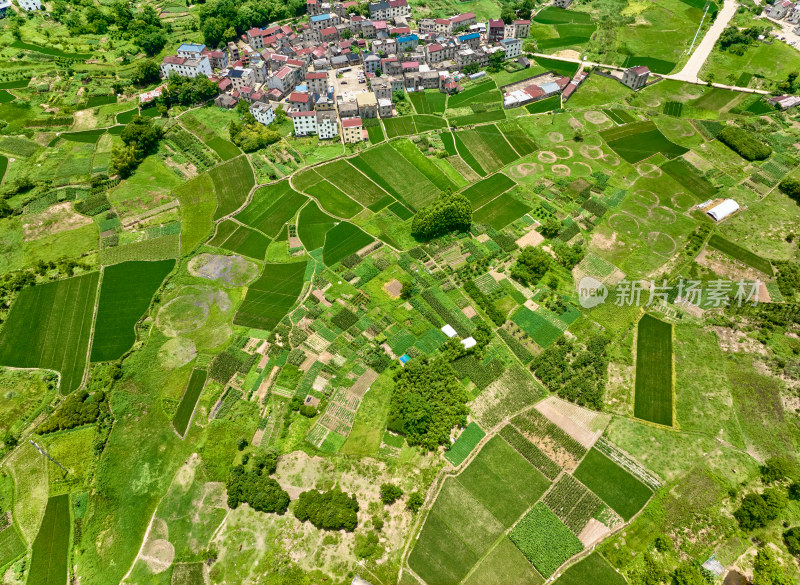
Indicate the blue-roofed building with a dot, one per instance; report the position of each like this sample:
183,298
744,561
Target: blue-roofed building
191,50
320,21
472,40
407,42
320,17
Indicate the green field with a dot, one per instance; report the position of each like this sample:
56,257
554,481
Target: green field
11,545
183,416
505,565
428,102
518,138
125,295
270,297
742,254
685,174
423,164
640,140
484,191
398,176
501,211
271,207
51,547
241,239
312,225
425,122
623,492
232,183
478,118
342,240
357,186
49,327
653,400
592,569
487,147
53,52
333,200
470,95
472,510
401,126
544,540
466,442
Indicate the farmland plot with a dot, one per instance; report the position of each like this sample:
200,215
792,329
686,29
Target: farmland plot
270,297
312,225
49,327
640,140
484,191
271,207
342,240
51,547
232,182
544,540
592,569
412,186
125,295
183,415
466,442
11,545
624,493
241,240
653,400
353,183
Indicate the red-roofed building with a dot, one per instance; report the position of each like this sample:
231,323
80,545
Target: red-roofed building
300,101
317,82
573,85
522,28
636,77
329,34
463,21
352,130
496,30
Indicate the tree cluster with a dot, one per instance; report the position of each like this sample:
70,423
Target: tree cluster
790,85
144,28
79,408
573,372
251,135
331,510
736,41
223,20
449,212
756,510
791,187
428,401
140,138
531,265
187,91
255,487
390,493
745,143
495,314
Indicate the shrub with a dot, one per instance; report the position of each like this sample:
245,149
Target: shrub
531,265
256,488
791,538
78,409
449,212
390,493
745,143
791,187
415,501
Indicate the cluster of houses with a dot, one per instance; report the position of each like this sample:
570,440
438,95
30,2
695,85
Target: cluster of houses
785,10
297,68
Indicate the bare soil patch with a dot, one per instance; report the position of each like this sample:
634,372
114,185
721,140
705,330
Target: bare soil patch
158,555
591,151
233,270
532,238
593,532
583,425
55,219
525,169
596,117
393,288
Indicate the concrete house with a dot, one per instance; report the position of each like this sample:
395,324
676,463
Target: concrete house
471,40
191,50
388,10
381,87
562,3
367,105
317,82
636,77
30,5
385,109
352,130
305,122
185,67
496,31
463,21
327,125
300,101
283,80
372,63
241,77
263,113
407,43
522,28
780,9
512,47
218,59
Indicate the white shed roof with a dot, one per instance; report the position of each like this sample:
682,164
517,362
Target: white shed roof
723,210
469,342
449,331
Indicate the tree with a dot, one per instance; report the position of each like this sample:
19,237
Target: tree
791,538
399,96
791,187
407,291
507,14
124,160
550,228
146,72
756,510
415,501
427,402
531,265
449,212
774,469
690,575
144,137
496,60
390,493
768,571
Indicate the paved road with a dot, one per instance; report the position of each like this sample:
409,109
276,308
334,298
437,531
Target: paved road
692,68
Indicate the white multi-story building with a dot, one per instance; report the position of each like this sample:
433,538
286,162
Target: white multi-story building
305,122
263,113
327,125
512,47
185,67
30,5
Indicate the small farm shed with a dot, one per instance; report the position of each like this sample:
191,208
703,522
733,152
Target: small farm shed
723,210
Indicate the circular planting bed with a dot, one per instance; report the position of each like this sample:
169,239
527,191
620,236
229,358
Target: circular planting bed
648,170
645,198
662,215
547,157
592,152
661,243
561,170
624,224
596,117
555,136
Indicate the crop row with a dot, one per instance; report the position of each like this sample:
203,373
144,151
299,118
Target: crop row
530,452
538,425
544,540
